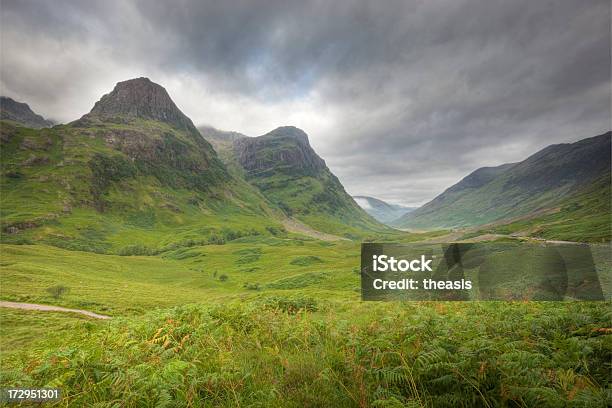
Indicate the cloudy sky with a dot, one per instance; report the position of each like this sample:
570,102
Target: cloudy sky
401,98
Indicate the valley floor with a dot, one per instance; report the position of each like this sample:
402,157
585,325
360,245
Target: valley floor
275,322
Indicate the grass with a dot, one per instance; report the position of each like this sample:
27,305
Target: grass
25,329
112,284
256,354
181,336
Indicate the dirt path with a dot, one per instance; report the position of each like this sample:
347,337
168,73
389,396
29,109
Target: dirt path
49,308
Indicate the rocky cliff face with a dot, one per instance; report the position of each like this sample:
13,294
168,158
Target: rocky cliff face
285,148
289,174
139,98
21,113
139,119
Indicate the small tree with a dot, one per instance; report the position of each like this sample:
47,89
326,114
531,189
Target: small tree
58,290
223,278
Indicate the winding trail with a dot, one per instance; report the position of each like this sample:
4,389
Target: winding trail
49,308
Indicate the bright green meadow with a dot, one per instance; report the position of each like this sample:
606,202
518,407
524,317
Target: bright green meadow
278,322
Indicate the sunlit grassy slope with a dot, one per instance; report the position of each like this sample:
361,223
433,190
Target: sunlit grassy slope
66,187
584,217
118,285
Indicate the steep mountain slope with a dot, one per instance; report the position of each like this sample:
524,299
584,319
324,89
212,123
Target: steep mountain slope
288,172
584,216
381,210
21,114
132,176
542,183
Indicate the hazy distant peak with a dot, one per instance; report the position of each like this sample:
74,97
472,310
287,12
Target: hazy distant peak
21,113
381,210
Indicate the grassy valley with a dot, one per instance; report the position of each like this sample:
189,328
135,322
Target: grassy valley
279,323
214,301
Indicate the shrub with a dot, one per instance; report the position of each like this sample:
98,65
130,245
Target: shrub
429,354
223,277
306,260
136,249
291,305
277,231
57,291
248,255
299,281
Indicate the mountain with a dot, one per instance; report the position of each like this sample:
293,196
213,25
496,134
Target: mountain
288,172
21,114
381,210
133,175
139,98
544,183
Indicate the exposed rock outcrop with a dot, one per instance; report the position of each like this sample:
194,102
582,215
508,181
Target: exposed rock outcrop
139,98
286,147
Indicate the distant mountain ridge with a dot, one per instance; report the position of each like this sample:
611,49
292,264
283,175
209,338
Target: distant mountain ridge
381,210
21,114
542,182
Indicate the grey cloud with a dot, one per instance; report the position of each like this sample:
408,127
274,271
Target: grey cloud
401,98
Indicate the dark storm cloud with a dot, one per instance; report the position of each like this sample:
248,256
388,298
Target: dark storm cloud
402,98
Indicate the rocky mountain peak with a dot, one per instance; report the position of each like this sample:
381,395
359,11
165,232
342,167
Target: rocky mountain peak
21,113
285,147
288,132
140,98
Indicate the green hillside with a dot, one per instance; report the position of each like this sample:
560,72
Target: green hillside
123,181
584,216
287,171
568,183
